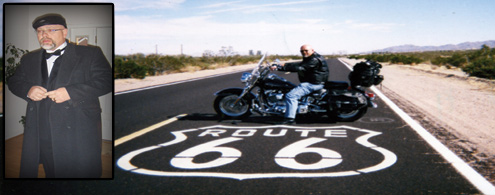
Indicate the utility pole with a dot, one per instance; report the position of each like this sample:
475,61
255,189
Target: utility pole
181,50
156,49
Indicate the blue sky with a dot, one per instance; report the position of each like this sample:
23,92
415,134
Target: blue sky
282,26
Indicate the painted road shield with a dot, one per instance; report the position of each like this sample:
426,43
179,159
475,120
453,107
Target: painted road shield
262,152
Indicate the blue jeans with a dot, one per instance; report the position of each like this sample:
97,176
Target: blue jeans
291,98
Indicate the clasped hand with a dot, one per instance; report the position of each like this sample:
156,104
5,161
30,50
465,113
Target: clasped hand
38,93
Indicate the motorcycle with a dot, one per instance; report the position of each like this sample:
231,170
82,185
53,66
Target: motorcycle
339,100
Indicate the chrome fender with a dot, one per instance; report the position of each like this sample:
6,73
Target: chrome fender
236,90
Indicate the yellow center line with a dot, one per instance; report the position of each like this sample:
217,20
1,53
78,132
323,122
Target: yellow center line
147,129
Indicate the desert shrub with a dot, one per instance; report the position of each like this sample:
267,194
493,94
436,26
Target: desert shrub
457,60
172,63
128,69
478,63
382,58
354,57
485,51
482,67
439,60
393,58
404,59
153,64
482,63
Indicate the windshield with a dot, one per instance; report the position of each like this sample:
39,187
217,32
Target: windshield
257,69
262,59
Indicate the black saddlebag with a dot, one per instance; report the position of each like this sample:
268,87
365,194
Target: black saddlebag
346,100
366,74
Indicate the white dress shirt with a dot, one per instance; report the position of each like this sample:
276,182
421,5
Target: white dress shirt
50,61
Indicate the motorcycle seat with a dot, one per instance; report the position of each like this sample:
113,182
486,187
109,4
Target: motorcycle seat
336,85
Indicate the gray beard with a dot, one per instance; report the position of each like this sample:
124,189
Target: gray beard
48,46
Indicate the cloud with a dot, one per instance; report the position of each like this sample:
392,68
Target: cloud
201,33
367,26
311,21
198,33
259,7
125,5
220,4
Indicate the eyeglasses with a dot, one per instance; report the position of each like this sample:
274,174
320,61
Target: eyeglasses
47,31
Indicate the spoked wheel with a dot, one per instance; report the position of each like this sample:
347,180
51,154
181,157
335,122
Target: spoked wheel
348,116
226,106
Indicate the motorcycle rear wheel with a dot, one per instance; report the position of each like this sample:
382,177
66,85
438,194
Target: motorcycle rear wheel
224,106
348,116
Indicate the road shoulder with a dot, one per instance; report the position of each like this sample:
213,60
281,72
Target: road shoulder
450,105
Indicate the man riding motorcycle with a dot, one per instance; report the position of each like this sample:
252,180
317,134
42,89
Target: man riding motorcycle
312,72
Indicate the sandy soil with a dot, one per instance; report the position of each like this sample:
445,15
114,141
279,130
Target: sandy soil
455,108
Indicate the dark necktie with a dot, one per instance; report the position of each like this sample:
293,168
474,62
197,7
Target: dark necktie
57,52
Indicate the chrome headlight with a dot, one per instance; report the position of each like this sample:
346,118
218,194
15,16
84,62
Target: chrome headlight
245,77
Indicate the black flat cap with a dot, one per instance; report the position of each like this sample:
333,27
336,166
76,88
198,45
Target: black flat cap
49,19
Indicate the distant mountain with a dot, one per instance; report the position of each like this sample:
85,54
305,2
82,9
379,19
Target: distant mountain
460,46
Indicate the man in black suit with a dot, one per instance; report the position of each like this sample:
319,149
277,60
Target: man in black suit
61,83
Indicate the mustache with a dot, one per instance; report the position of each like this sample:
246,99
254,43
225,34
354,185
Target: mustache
43,39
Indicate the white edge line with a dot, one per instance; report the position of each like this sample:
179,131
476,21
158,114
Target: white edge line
177,82
462,167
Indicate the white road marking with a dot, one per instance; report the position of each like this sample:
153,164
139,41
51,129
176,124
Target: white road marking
177,82
390,158
462,167
146,130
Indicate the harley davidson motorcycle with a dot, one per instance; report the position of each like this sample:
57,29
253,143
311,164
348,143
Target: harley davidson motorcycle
264,94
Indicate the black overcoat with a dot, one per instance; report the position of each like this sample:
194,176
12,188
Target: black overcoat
75,124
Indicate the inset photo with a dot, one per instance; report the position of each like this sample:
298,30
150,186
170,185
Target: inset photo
58,90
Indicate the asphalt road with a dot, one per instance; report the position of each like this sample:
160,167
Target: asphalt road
203,154
392,160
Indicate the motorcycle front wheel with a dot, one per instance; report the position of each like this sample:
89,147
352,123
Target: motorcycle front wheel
348,116
226,106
